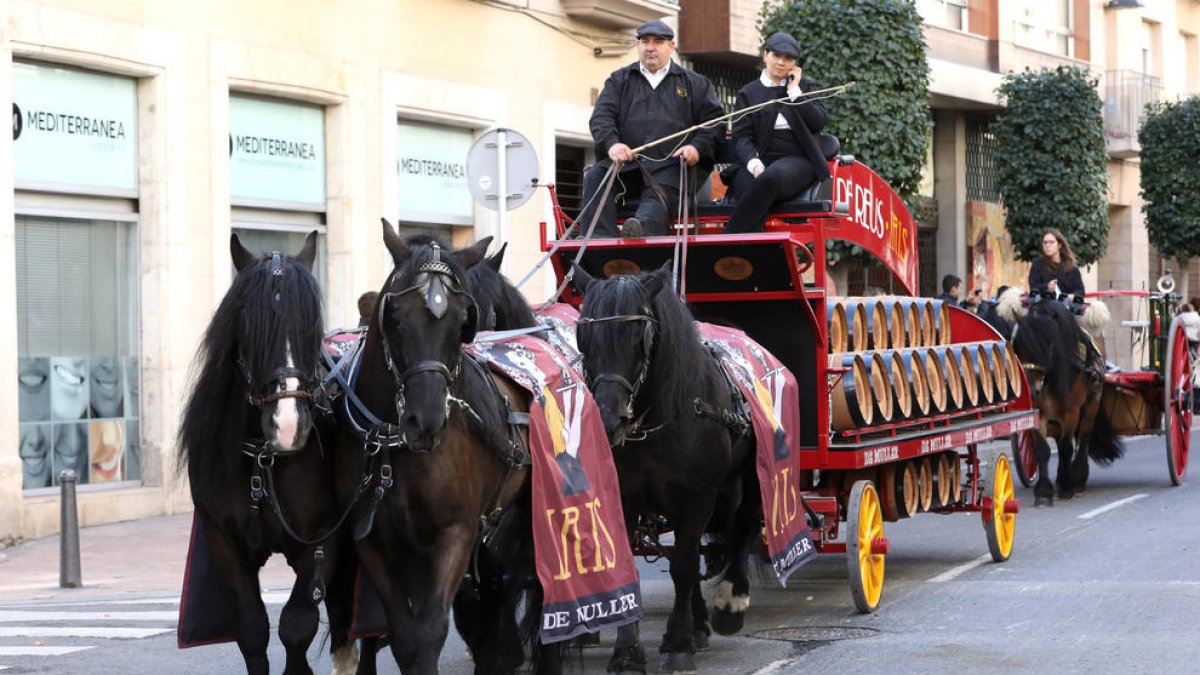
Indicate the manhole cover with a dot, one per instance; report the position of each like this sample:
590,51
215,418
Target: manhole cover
816,633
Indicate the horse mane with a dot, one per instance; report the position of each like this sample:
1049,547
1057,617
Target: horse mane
266,312
501,305
677,358
1049,337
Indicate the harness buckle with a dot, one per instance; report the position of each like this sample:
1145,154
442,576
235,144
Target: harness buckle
385,476
257,492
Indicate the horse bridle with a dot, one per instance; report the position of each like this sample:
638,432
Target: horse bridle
435,278
648,334
275,387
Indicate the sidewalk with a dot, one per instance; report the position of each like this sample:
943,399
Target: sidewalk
127,560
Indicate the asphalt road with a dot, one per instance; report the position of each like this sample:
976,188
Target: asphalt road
1106,583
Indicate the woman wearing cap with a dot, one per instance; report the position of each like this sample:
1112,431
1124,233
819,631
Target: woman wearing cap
776,144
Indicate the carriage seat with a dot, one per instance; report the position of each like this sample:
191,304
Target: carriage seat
816,198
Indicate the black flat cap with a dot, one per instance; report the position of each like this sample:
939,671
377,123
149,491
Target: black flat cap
656,27
782,43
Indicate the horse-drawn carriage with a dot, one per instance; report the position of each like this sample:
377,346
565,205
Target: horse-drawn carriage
877,441
1153,399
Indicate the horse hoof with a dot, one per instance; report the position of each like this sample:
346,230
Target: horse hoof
678,663
1039,502
725,622
628,661
588,640
700,639
1066,495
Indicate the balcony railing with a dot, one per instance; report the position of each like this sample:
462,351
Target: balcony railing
620,13
1126,93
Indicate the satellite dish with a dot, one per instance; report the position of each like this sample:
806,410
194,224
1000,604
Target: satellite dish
502,155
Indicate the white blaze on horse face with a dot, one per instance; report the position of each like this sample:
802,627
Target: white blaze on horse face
287,414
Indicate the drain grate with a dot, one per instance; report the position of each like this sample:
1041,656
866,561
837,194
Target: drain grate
815,633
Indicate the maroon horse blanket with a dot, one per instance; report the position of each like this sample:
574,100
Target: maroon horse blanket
584,561
771,390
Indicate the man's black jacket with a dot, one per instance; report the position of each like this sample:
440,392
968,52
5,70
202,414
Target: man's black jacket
629,111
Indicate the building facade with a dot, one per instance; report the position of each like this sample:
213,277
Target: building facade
144,133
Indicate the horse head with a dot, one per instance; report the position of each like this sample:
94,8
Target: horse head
278,339
1046,340
617,330
425,314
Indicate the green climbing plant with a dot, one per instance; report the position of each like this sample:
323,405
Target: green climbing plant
1170,140
1051,163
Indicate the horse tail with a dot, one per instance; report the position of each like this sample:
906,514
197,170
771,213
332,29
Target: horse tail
1009,306
1104,445
1096,317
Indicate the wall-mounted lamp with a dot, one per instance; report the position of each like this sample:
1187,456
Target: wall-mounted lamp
1123,4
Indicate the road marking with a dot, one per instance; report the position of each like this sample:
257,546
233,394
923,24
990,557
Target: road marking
82,631
269,597
1109,507
955,571
13,617
40,651
773,667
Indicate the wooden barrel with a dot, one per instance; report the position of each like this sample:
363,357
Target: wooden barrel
857,336
881,387
941,321
914,367
876,335
981,363
957,354
838,330
924,483
903,320
956,473
902,390
1016,378
935,377
894,329
999,371
900,494
851,404
943,477
929,336
954,381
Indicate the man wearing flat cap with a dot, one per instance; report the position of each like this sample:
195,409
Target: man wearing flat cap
776,145
640,103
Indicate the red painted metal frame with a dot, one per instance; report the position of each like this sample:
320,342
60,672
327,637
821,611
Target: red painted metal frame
872,216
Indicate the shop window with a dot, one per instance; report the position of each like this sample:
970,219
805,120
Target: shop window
77,341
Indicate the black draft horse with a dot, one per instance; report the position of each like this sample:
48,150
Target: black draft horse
1066,379
444,472
651,377
260,477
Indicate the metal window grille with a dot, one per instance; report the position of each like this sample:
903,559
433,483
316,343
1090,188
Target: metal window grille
981,166
568,177
727,80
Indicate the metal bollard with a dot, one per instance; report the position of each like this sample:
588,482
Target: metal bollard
69,574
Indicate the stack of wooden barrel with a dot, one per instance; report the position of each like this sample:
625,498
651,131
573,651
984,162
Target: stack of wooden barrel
898,363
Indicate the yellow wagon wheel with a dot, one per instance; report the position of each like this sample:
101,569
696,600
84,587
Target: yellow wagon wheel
866,546
999,521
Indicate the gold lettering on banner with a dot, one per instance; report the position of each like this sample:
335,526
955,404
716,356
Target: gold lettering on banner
598,527
785,502
604,550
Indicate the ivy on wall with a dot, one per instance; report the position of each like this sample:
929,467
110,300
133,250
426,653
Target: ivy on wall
1051,163
1170,140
